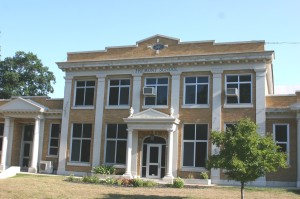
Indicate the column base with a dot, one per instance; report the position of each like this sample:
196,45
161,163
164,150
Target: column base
2,168
298,184
127,175
168,178
32,170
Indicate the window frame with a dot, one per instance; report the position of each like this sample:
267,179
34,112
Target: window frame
84,96
156,84
239,83
50,138
280,142
119,165
81,139
194,168
119,94
196,84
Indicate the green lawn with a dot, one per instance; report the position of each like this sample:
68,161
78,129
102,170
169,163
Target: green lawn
41,186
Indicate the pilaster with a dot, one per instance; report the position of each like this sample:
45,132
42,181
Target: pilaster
169,176
136,92
128,173
3,165
260,100
35,145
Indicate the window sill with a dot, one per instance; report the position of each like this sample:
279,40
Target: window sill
51,156
83,107
118,166
195,106
155,106
193,169
78,164
238,105
117,107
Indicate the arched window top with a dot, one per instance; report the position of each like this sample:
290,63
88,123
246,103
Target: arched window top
154,139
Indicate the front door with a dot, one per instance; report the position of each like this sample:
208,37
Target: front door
153,161
26,151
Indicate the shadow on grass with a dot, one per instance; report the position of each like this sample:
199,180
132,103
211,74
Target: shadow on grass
136,196
294,191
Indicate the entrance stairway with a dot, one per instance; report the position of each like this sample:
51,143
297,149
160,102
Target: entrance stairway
10,172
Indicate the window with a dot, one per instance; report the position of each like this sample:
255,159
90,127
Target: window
54,139
119,92
84,93
1,135
81,142
161,87
281,137
230,126
116,143
243,84
196,90
195,145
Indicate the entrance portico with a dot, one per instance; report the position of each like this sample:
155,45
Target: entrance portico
151,120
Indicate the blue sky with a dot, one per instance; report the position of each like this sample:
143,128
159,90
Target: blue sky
51,28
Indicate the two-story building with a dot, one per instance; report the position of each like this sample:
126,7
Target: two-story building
148,109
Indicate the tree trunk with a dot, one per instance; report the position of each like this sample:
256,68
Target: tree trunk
242,189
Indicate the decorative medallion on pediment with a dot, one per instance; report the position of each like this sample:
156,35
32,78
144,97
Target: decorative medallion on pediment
158,46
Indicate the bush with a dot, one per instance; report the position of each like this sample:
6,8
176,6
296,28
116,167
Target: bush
104,169
90,179
149,183
178,183
71,178
203,175
137,182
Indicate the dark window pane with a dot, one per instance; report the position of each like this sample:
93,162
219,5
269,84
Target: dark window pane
90,83
190,94
189,132
202,79
230,127
124,96
111,131
110,152
1,140
162,81
232,86
87,131
114,82
201,132
125,82
232,100
153,170
245,93
149,100
162,95
188,154
121,152
79,96
144,172
281,133
113,95
163,155
245,78
26,152
201,151
75,150
144,154
55,130
54,142
1,130
77,128
153,155
53,151
151,81
283,147
80,83
190,80
232,78
28,133
89,96
122,131
202,94
85,150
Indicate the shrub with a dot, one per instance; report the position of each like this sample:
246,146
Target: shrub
71,178
137,182
203,175
149,183
110,181
127,182
104,169
90,179
178,183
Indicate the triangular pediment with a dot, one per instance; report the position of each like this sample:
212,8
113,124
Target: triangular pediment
295,106
22,105
154,38
150,113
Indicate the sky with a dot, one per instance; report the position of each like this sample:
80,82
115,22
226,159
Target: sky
51,28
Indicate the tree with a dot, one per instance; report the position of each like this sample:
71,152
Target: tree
244,154
24,75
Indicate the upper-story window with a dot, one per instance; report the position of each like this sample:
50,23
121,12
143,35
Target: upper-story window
238,89
119,92
54,139
1,135
161,91
281,137
84,93
196,90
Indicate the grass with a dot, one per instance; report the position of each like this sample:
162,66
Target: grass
41,186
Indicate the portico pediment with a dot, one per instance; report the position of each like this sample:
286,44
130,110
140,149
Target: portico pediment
22,105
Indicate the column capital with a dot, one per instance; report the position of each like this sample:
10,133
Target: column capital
101,76
260,70
39,117
137,75
175,73
216,71
68,78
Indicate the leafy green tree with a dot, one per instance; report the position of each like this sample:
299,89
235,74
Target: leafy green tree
24,75
244,154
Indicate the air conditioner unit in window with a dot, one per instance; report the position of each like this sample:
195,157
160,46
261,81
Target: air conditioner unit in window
232,92
45,167
149,91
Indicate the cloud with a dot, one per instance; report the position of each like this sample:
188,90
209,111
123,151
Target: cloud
286,89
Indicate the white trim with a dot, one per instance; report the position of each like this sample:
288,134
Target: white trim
49,140
78,164
118,107
83,107
155,85
287,142
155,106
85,87
148,164
193,169
238,106
195,106
119,94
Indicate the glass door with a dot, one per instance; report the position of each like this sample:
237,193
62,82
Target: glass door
27,146
153,161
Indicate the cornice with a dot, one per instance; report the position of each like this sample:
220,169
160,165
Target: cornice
172,61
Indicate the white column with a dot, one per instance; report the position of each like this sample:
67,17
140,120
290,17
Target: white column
3,165
98,119
41,141
260,101
169,174
35,145
65,127
136,92
128,154
298,150
10,142
216,115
